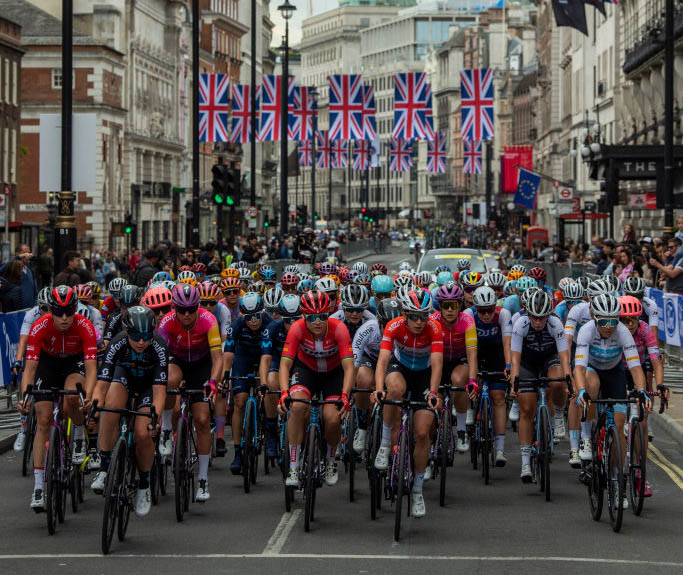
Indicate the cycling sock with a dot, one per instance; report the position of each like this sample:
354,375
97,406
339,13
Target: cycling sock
38,477
92,441
271,426
585,429
23,419
105,459
573,438
203,472
461,420
362,418
386,435
294,452
417,482
331,451
143,482
500,442
167,419
526,454
78,432
220,426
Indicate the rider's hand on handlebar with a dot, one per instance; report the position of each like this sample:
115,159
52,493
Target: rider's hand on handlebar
377,397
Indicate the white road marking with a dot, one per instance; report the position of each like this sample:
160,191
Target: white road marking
279,537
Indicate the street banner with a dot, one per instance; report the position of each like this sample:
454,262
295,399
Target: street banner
527,189
670,306
10,325
520,156
571,13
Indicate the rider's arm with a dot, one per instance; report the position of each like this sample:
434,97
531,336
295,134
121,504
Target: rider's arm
229,346
471,349
519,332
264,368
21,347
285,366
631,356
436,363
583,340
381,369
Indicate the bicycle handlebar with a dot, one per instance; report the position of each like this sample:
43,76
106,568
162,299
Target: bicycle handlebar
542,381
313,402
633,397
152,413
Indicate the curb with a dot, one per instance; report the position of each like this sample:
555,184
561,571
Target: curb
6,443
670,426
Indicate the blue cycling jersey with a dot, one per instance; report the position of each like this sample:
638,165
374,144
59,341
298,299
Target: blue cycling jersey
244,342
561,311
512,304
273,340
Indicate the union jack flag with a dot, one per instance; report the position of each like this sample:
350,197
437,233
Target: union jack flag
476,89
302,108
412,107
369,120
270,107
241,113
472,154
213,107
340,157
436,154
346,106
324,149
361,154
401,154
305,153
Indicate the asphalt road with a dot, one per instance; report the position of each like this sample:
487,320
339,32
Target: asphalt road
503,526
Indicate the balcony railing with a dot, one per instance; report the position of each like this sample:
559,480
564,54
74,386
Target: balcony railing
650,40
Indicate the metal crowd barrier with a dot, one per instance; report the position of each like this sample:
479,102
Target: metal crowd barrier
556,272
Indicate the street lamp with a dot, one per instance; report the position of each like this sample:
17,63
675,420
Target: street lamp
314,95
287,11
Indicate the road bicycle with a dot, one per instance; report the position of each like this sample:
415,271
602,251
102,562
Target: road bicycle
349,457
443,448
372,443
484,428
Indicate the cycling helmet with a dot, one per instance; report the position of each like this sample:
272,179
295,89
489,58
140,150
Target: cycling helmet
305,285
381,268
344,275
185,269
313,302
187,277
471,279
526,282
130,295
563,282
360,267
272,297
83,291
484,296
326,285
585,281
245,274
115,286
514,275
630,306
199,268
405,266
449,291
209,291
289,279
443,278
63,297
381,284
605,305
95,288
162,276
157,297
406,273
464,264
229,283
634,286
83,310
354,295
268,275
540,304
242,264
441,268
168,284
263,267
495,279
403,281
289,306
538,273
509,287
185,295
291,269
251,302
519,268
328,268
387,310
572,290
525,296
214,279
614,284
140,319
424,278
598,287
363,280
414,299
44,296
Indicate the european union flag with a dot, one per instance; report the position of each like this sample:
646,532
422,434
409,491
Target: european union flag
527,189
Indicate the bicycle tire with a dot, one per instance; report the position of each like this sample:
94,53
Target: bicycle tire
310,484
267,463
637,467
112,492
28,444
595,486
615,480
164,464
247,447
74,481
351,454
484,440
474,448
128,489
445,440
283,460
180,470
374,476
154,472
400,483
52,496
544,449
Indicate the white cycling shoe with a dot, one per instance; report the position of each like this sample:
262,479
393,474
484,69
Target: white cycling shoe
501,460
99,482
514,411
359,440
429,471
79,452
526,475
202,494
331,473
417,505
19,441
292,479
165,443
586,451
462,445
574,459
382,458
143,502
38,500
559,429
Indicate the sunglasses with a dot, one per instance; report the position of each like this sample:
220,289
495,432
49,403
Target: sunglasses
186,310
604,322
573,301
538,317
63,311
485,310
450,305
141,335
211,302
354,309
162,310
292,319
416,317
234,291
470,289
317,317
288,289
252,316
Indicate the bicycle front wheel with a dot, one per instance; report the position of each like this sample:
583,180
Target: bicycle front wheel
401,481
312,451
485,439
350,453
52,483
615,479
544,448
637,465
28,444
445,437
112,493
128,490
180,458
248,447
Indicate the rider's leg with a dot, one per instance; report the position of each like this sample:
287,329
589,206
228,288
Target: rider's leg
498,401
202,425
296,421
396,389
332,428
116,398
364,380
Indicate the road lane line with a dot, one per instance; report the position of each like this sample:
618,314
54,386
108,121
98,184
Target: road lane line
664,467
461,558
662,457
279,537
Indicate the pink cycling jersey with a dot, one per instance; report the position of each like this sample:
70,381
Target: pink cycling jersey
461,334
645,343
190,344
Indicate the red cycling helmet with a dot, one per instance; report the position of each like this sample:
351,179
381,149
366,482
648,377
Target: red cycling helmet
381,268
289,279
199,268
83,291
314,302
157,297
185,269
630,306
209,291
64,297
343,275
538,274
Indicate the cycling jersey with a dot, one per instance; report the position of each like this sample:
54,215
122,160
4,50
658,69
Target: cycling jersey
353,328
223,317
650,312
646,344
272,342
411,350
244,342
30,318
512,304
490,335
113,326
79,340
320,355
520,313
366,342
603,354
537,347
189,345
108,306
577,317
150,366
561,310
460,335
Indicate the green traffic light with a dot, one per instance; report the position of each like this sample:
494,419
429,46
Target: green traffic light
371,220
218,198
231,202
266,223
129,229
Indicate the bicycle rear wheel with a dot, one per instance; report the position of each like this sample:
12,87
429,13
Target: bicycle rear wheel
154,480
52,486
485,439
350,453
445,448
128,490
615,479
312,454
401,480
248,447
637,465
112,493
474,446
544,450
374,476
180,458
28,444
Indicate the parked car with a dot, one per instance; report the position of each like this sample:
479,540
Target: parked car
450,257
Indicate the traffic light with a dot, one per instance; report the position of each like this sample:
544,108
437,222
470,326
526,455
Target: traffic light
302,214
128,224
469,212
475,210
233,190
219,183
428,215
364,214
266,220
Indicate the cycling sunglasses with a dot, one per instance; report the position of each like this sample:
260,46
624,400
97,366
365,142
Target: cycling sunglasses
210,302
292,319
607,322
470,289
538,317
485,310
63,311
141,335
450,305
354,309
186,310
315,317
233,291
252,316
417,317
162,310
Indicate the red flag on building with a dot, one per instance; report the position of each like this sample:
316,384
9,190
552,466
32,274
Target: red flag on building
515,157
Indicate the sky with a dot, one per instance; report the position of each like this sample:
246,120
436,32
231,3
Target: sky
295,23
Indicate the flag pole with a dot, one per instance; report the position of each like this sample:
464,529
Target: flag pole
195,125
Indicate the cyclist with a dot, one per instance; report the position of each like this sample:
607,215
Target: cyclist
329,287
84,294
241,357
194,344
539,349
496,281
572,294
95,301
459,336
512,302
271,300
199,270
470,281
635,286
494,332
381,288
360,267
318,348
354,303
538,273
410,359
209,294
61,352
160,300
111,302
135,366
464,265
129,296
289,282
231,290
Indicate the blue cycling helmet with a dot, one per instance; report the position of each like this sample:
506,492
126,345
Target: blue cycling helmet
442,268
443,277
251,303
509,287
382,284
161,277
268,274
130,295
525,282
305,285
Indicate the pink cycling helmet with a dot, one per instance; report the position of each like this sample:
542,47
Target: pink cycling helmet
449,291
185,295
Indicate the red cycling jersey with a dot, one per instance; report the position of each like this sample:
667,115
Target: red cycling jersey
108,306
413,351
321,355
78,340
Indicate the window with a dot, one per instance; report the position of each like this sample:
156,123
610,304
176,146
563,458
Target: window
56,78
364,22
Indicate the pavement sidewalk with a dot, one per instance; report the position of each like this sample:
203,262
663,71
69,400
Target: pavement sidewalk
671,421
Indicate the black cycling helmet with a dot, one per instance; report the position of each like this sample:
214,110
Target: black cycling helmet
387,310
129,295
139,319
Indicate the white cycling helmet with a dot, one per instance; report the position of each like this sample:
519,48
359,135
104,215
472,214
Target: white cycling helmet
614,283
484,296
605,305
573,290
292,268
426,278
245,274
414,300
326,285
540,304
354,295
634,286
360,267
405,266
598,287
496,279
563,282
83,310
526,295
403,281
273,297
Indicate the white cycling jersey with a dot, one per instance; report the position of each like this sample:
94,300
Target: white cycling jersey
538,343
223,317
577,317
594,350
31,316
367,341
651,310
